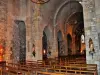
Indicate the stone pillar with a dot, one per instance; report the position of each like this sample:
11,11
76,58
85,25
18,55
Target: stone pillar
65,46
38,43
36,32
29,31
3,23
91,31
73,44
97,19
54,51
8,51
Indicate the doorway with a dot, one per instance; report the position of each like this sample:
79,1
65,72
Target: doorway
69,43
44,47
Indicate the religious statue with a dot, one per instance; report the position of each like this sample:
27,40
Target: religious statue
33,50
91,46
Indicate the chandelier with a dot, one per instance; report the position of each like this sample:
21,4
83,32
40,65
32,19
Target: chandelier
40,1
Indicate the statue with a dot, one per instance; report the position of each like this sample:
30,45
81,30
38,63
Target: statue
91,46
33,50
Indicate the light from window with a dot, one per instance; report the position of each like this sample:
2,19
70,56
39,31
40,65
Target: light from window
82,38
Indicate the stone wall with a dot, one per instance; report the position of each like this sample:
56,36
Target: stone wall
3,22
91,31
36,17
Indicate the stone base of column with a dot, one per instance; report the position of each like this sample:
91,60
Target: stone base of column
7,58
54,54
31,57
98,66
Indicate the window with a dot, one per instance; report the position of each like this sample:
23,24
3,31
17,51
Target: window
82,39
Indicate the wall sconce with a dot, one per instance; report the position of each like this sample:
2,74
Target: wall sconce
44,51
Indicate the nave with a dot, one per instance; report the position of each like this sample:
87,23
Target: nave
45,37
58,66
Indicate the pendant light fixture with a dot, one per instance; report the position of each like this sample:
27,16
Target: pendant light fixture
40,1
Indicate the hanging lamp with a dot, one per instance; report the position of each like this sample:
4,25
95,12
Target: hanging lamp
40,1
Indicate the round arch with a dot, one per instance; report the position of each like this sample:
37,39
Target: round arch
59,9
47,33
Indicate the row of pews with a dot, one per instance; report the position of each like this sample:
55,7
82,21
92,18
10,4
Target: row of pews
51,67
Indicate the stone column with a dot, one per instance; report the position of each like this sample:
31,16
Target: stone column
97,19
73,44
36,32
91,31
38,43
65,46
29,31
54,51
8,51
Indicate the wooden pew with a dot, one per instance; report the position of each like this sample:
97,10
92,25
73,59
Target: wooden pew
80,72
74,68
77,69
75,72
18,68
48,73
12,71
25,69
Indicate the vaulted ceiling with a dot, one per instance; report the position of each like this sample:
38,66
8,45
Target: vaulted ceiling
63,9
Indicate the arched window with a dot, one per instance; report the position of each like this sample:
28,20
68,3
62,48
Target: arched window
82,39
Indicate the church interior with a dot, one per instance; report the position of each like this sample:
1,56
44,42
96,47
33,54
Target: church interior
49,37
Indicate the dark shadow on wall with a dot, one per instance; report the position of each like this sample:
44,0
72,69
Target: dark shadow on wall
21,33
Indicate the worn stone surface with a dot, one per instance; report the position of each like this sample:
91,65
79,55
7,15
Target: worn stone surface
50,18
89,8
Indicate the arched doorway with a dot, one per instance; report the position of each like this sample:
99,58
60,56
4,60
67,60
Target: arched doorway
44,45
75,26
78,31
60,43
69,44
47,42
70,16
19,41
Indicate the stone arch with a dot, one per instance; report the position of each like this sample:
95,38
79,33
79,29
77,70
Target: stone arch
48,32
61,15
48,35
78,30
59,9
79,22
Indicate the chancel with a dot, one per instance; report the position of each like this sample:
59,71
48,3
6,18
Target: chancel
49,37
